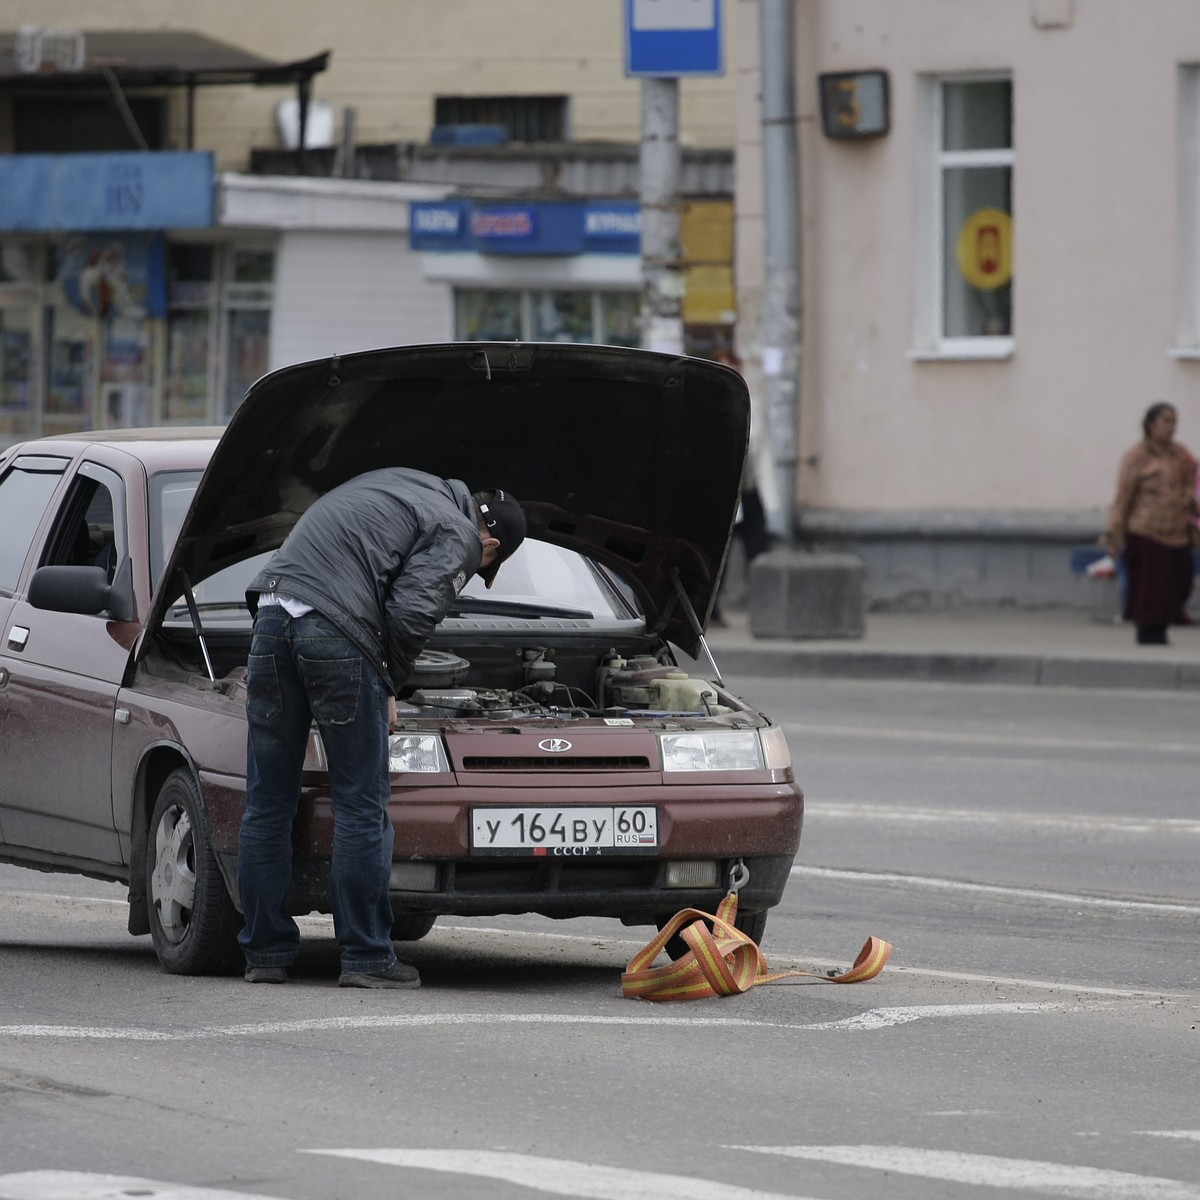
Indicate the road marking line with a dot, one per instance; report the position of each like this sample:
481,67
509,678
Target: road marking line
559,1176
85,1185
851,810
1191,1135
988,739
26,894
1045,984
991,889
1059,1179
876,1018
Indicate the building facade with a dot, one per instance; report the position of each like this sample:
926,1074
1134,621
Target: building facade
167,234
997,279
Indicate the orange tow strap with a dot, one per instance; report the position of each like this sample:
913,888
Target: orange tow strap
723,962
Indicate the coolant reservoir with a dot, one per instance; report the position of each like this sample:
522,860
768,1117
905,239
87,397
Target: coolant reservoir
678,692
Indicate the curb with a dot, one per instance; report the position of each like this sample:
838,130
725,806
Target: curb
1028,670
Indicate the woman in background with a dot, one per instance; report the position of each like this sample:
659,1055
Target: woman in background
1151,522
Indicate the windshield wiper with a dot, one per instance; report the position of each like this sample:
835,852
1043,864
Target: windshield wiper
513,608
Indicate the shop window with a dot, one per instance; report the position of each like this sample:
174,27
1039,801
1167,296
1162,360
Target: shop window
621,318
71,383
548,316
53,125
965,214
190,297
562,317
247,350
523,118
18,317
249,294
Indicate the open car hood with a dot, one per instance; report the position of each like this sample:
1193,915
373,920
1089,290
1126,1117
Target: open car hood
632,457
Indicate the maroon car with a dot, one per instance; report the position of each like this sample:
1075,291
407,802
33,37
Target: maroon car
550,754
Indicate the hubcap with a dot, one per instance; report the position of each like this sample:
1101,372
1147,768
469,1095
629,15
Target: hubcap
173,883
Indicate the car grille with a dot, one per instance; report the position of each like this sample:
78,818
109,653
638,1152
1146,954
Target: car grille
538,876
487,762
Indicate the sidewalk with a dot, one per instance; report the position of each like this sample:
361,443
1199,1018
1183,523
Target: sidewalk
1050,647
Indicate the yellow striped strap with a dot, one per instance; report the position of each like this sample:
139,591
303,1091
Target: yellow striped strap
723,961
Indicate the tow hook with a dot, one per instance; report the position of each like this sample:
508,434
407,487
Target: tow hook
739,876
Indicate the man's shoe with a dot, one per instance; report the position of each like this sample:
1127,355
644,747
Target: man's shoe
266,974
398,975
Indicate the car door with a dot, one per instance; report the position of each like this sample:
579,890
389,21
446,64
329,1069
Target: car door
27,484
62,672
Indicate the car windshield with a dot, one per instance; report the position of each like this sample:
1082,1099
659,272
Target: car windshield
539,580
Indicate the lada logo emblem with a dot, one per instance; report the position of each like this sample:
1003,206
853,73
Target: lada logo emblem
554,745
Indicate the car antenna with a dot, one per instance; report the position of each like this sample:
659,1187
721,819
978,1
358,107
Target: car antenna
694,621
194,613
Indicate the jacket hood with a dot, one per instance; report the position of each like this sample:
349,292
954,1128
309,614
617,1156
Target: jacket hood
629,456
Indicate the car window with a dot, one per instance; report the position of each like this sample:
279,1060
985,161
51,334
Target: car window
543,575
24,496
89,530
171,494
538,575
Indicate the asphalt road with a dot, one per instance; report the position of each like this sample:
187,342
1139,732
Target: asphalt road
1031,853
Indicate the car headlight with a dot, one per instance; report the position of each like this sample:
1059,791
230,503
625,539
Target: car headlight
417,753
721,750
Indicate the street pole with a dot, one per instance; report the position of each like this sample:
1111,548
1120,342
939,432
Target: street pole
780,330
662,278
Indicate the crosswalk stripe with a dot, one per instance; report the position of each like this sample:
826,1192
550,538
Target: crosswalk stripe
1055,1179
561,1177
84,1185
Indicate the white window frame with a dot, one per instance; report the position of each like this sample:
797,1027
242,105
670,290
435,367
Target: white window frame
930,343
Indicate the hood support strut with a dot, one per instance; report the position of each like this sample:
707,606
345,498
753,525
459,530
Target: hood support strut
694,621
194,613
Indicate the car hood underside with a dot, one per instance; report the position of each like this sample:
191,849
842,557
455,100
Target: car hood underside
631,457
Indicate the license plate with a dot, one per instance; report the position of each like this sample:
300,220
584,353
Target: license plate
564,832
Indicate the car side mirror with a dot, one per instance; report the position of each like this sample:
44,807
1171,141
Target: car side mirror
84,590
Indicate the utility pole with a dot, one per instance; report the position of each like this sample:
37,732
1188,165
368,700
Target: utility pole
662,277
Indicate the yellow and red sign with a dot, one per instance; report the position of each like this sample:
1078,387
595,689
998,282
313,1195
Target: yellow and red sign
985,249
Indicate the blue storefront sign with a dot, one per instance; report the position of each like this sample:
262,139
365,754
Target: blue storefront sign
150,190
494,227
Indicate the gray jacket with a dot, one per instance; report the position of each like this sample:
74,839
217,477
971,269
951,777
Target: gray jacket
382,556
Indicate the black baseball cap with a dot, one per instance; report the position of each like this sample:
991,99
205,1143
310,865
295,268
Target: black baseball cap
505,521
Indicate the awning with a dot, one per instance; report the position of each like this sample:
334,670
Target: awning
135,59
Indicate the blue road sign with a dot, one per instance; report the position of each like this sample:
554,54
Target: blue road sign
668,38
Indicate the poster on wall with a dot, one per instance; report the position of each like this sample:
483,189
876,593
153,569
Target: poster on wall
115,274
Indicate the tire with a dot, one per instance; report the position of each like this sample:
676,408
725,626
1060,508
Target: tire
193,922
752,924
411,927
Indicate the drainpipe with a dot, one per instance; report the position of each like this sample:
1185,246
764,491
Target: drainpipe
794,593
779,332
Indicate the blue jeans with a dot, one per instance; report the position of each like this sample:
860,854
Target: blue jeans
303,669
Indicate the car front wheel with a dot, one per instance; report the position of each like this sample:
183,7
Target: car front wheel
411,927
193,922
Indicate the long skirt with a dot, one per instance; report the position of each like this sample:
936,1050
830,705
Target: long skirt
1158,581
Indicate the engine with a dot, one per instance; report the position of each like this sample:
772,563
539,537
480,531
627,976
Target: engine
641,686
